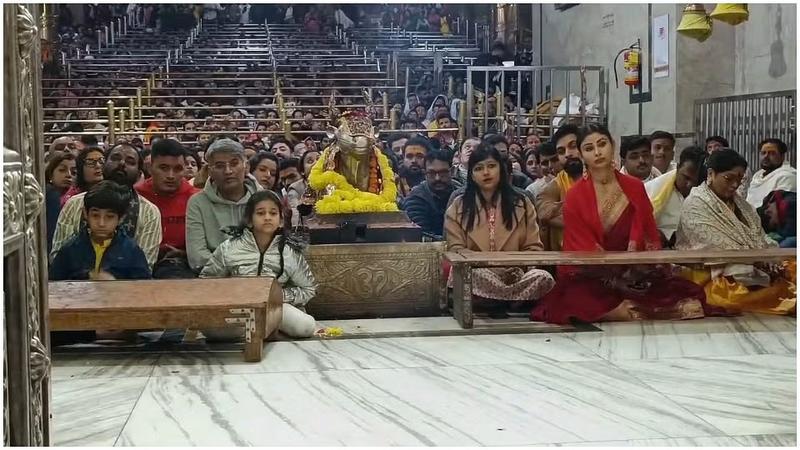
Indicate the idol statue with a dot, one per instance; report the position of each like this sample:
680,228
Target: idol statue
352,175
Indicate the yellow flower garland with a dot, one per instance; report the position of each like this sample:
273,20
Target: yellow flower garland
346,199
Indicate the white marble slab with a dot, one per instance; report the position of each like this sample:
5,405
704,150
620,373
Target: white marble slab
713,336
105,365
703,441
92,412
511,404
758,440
739,395
769,440
393,325
353,354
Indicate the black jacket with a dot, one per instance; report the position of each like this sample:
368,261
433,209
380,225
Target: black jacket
426,209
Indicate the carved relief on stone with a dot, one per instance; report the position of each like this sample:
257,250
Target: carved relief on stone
381,279
12,194
32,198
395,273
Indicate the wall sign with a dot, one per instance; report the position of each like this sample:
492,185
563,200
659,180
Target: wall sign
660,39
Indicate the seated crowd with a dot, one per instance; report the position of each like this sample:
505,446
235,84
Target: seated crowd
161,210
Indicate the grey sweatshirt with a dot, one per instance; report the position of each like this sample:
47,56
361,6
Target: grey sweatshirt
207,215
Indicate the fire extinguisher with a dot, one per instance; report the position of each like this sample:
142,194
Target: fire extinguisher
631,63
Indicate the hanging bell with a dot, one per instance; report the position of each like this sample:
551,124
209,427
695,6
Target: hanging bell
695,23
731,13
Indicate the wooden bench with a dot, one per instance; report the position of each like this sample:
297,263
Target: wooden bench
464,261
254,304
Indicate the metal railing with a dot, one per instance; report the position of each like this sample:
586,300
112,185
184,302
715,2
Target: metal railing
746,120
533,88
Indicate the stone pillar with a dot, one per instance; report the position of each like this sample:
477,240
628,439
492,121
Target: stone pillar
26,374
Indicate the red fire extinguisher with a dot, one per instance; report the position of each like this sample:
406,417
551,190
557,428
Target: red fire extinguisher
631,64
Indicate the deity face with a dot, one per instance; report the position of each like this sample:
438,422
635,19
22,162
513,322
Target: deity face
356,135
358,145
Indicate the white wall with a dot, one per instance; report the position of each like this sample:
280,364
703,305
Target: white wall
593,34
766,49
748,58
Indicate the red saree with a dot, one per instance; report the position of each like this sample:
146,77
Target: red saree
588,294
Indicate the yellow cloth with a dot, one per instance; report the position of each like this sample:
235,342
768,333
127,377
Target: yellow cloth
445,27
433,126
663,195
734,296
99,251
564,183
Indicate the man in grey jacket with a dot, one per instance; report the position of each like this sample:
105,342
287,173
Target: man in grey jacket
221,203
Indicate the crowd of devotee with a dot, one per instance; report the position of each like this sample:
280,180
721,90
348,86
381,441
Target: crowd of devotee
112,215
167,205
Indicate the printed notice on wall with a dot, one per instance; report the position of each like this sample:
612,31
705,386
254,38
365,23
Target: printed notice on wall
661,46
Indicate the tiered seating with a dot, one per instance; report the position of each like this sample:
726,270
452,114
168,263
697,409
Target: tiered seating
105,85
444,58
259,70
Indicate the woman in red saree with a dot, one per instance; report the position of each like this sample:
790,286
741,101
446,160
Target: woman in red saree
609,211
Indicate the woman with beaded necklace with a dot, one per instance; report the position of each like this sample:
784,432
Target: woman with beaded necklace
609,211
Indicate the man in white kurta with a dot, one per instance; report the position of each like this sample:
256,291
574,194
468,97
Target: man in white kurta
775,174
668,191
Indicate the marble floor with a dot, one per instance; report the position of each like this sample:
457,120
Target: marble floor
712,382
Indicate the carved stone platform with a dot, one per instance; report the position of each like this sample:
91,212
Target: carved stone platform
364,227
376,280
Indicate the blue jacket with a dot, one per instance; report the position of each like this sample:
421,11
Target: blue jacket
123,259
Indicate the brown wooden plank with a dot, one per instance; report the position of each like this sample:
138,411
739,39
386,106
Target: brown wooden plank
99,319
157,295
499,259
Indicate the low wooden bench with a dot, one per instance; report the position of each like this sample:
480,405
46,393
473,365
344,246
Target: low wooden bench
254,304
464,261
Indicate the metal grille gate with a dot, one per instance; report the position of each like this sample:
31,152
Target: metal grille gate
745,120
541,88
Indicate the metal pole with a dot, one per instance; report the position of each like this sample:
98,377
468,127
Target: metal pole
112,32
462,121
125,25
408,75
396,67
470,102
105,31
385,105
110,113
99,40
566,96
69,74
139,104
393,118
501,122
132,112
518,128
121,125
450,86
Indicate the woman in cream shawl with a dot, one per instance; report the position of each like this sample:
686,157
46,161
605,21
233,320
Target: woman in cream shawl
716,217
